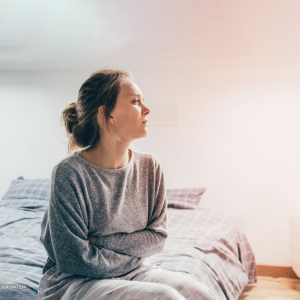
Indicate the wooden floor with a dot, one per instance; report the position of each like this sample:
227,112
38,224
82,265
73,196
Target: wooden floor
272,288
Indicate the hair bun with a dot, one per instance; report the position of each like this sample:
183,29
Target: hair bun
70,117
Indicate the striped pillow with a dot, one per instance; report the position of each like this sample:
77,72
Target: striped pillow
184,198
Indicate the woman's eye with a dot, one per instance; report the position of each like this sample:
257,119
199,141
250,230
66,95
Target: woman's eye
136,101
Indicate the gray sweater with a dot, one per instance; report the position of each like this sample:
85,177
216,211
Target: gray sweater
125,209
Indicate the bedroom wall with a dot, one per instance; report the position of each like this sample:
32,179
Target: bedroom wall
234,70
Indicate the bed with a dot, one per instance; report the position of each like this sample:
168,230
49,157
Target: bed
202,243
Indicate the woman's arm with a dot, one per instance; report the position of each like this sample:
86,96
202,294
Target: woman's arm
146,242
64,234
92,241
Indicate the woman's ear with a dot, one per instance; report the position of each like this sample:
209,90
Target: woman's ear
101,110
100,114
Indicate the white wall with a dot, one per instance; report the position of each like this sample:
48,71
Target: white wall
233,68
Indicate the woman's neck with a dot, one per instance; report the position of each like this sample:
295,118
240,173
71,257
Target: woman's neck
99,159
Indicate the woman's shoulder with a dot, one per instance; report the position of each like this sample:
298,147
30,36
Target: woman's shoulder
147,157
67,167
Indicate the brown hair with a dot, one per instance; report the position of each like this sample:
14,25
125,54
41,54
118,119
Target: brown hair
80,118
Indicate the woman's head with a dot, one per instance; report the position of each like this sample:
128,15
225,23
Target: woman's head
108,99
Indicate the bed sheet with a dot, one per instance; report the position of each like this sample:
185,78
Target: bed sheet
201,243
206,245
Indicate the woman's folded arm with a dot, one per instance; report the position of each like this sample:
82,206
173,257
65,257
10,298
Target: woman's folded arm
142,243
146,242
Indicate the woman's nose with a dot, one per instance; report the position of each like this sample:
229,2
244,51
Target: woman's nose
147,110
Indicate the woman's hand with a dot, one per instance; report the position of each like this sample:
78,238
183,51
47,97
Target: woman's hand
92,240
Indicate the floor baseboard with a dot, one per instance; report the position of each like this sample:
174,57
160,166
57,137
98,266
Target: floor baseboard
276,271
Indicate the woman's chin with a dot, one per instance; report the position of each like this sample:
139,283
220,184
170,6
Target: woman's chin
144,134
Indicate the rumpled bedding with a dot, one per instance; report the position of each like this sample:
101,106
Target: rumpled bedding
202,243
207,245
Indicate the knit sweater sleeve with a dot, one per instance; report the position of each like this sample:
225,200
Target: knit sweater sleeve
64,233
151,240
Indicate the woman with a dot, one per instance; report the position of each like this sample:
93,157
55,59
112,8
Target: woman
107,210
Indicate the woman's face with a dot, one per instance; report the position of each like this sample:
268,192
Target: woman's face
130,112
